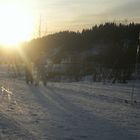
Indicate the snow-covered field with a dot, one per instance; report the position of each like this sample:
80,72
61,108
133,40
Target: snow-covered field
68,111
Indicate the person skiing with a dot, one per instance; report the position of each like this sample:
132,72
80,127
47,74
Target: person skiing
40,71
28,73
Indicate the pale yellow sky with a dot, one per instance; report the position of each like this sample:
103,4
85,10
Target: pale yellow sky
58,15
78,14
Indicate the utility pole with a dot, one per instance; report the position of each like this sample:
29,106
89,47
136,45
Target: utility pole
136,69
39,28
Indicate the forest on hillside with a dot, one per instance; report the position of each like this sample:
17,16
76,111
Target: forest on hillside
109,45
115,40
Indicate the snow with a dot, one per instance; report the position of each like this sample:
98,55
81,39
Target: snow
68,111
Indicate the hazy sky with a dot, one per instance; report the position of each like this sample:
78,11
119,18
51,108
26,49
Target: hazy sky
78,14
59,15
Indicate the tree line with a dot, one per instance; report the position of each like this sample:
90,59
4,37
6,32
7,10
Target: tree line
110,46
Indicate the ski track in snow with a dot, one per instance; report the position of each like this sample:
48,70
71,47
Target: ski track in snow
73,111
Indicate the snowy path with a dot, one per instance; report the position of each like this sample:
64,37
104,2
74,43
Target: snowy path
68,111
70,119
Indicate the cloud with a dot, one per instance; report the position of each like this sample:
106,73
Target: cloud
128,9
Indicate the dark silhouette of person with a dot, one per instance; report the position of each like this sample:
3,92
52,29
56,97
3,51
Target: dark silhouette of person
28,73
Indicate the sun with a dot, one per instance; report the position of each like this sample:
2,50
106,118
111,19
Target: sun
16,25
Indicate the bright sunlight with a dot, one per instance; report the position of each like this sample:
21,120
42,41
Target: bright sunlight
16,25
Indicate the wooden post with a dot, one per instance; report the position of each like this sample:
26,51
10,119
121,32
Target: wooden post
136,70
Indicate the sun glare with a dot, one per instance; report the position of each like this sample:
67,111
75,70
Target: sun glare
16,25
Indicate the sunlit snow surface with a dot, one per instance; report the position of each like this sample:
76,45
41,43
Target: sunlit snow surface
68,111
